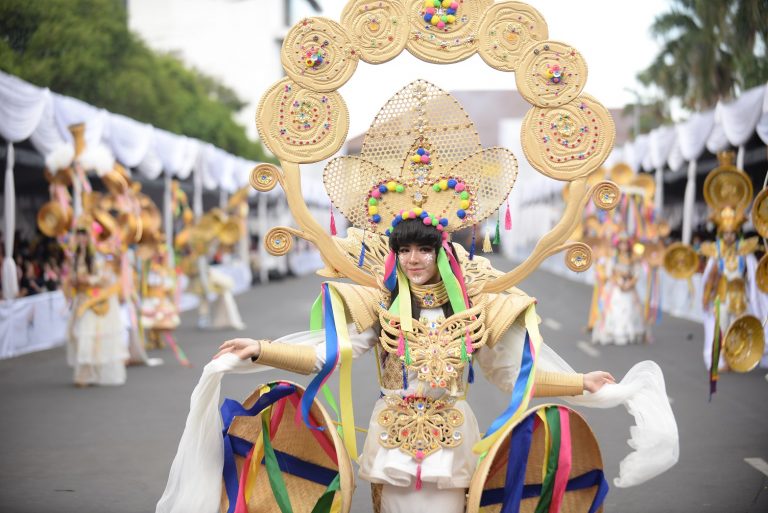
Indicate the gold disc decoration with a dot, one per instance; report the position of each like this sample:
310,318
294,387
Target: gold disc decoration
505,30
551,74
447,31
761,274
760,213
647,183
727,186
680,261
569,141
317,54
621,174
299,125
52,219
379,29
578,258
278,241
264,177
744,343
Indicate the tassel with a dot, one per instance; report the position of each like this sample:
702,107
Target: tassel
487,243
471,377
333,223
418,477
361,260
472,246
497,237
508,218
405,376
401,344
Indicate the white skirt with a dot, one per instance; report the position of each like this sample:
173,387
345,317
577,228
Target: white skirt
621,321
96,347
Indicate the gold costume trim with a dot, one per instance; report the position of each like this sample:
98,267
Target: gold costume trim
97,300
554,384
430,296
360,303
298,359
420,426
503,310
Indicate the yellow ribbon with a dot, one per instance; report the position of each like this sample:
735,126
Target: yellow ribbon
542,416
404,295
345,375
256,457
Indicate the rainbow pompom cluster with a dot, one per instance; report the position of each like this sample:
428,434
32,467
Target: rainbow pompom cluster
440,13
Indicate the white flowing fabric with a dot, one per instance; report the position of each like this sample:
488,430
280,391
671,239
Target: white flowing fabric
739,117
10,279
194,482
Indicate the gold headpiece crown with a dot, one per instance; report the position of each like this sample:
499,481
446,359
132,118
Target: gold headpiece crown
422,158
729,219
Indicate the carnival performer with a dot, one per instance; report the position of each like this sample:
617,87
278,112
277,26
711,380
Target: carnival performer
96,348
428,315
621,320
729,285
159,312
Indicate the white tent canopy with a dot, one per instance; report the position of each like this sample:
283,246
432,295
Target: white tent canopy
30,112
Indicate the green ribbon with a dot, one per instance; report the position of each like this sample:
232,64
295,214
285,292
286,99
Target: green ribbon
274,473
452,287
325,502
548,485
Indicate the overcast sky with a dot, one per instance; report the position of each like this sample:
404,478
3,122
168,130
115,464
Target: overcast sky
234,41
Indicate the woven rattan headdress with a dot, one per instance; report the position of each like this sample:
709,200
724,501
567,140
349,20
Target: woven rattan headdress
422,153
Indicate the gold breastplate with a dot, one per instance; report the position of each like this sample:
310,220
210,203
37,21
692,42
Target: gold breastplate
435,348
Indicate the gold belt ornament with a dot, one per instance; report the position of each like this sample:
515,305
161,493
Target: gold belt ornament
420,426
97,300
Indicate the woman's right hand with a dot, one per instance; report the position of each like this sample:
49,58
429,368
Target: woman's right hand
244,348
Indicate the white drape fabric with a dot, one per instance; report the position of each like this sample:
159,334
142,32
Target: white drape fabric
10,279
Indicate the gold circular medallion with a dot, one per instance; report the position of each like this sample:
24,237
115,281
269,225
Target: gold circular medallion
317,54
444,34
578,258
299,125
569,141
505,30
379,29
52,219
760,213
551,74
744,343
761,274
727,186
278,241
680,261
606,195
263,177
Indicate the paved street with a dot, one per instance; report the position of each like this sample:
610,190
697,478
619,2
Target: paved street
99,450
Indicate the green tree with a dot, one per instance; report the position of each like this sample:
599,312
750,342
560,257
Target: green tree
711,49
83,48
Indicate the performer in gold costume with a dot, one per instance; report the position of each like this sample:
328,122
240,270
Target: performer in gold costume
427,308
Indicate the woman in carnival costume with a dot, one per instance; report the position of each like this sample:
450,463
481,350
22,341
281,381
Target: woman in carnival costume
621,320
96,347
428,315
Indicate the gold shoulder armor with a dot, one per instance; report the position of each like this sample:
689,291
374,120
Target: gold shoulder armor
360,303
502,310
708,249
748,246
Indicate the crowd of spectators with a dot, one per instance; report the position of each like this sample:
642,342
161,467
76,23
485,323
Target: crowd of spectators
38,264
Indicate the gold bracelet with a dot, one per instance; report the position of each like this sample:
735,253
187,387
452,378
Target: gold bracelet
299,359
554,384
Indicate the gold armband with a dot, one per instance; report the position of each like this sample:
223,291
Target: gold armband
553,384
299,359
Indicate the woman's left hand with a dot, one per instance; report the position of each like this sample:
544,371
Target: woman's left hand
595,380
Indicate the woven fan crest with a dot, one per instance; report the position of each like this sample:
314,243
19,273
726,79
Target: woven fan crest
421,154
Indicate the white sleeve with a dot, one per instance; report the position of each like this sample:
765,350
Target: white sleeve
501,363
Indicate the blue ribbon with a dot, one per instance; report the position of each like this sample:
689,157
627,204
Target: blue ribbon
526,365
304,469
586,480
234,445
331,355
519,446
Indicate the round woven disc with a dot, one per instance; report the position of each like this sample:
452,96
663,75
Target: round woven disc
727,186
569,141
760,213
453,43
318,54
299,125
537,75
263,177
761,274
578,258
278,241
505,30
379,29
744,343
680,261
